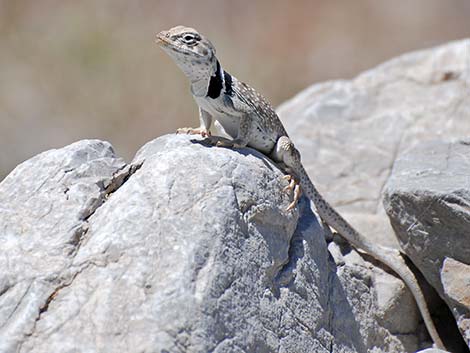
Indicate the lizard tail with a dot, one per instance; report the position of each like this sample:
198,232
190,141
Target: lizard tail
390,257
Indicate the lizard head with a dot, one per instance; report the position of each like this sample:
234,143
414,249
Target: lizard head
191,51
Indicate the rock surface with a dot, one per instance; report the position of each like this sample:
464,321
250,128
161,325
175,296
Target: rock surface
428,200
350,132
189,249
186,249
45,204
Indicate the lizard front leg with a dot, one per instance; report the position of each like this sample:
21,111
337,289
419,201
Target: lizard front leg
243,136
205,120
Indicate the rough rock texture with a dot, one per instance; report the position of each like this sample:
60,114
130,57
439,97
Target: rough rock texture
351,132
45,205
428,200
187,249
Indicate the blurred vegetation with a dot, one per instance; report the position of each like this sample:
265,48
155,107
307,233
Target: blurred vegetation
71,70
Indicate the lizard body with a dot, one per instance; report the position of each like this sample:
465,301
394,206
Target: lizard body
250,120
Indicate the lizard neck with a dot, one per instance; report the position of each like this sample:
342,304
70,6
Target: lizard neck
209,83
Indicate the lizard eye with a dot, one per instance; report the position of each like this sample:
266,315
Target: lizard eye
190,39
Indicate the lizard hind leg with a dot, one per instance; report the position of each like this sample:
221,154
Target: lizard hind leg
287,155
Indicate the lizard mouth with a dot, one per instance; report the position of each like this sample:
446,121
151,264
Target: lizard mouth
165,42
162,39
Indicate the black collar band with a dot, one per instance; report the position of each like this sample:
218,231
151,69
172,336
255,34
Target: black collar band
228,84
215,83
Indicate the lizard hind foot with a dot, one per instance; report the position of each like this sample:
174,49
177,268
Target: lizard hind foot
289,187
295,187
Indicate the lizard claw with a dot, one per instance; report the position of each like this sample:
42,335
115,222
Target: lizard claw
291,184
295,186
297,193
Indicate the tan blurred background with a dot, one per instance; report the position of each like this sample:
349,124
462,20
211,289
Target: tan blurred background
71,70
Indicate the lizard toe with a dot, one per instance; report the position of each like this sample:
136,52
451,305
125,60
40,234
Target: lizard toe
297,194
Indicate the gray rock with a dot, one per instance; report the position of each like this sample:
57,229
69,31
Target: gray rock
45,204
428,200
351,132
186,249
193,252
455,277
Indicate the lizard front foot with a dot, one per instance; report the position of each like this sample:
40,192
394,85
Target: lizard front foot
223,142
194,131
295,186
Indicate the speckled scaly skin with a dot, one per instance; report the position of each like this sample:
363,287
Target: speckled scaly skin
250,120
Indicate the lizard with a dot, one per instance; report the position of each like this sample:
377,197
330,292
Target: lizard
250,120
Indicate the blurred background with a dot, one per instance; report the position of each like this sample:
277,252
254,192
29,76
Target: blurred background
72,70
